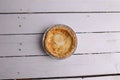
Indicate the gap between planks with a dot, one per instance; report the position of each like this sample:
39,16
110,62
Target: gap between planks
59,12
48,55
82,77
72,77
76,33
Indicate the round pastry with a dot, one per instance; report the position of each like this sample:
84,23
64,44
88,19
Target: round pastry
60,41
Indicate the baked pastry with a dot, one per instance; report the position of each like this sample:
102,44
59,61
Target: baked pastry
60,41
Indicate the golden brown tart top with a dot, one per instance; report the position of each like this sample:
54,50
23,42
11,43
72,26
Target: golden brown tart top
60,41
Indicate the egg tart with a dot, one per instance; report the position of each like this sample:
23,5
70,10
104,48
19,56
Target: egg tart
60,41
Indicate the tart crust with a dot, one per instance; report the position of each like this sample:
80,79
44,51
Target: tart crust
60,41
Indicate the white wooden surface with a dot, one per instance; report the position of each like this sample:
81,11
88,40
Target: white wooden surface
104,78
38,23
58,6
87,43
23,22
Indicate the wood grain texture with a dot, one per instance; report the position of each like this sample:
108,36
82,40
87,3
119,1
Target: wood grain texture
18,45
59,6
38,23
37,67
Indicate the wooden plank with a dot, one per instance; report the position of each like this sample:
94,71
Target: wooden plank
104,78
16,45
37,67
38,23
115,59
59,6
